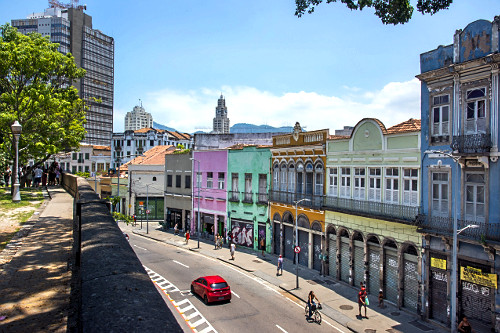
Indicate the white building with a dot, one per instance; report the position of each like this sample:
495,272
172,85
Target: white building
138,118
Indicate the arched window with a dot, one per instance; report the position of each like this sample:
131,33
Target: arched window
309,178
283,175
300,178
276,177
318,181
291,178
154,179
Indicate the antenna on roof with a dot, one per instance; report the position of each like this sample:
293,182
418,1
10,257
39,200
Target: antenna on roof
140,100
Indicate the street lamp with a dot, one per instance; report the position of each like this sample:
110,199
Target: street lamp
198,185
456,232
16,131
297,242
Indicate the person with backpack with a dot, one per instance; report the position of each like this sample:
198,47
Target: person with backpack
362,297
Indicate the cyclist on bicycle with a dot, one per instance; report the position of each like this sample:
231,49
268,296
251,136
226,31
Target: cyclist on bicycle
311,303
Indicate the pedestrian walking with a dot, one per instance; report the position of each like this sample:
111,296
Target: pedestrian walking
6,176
280,266
263,245
233,249
38,176
362,300
176,229
135,220
187,237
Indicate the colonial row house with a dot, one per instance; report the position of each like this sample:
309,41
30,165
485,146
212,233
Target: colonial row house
461,177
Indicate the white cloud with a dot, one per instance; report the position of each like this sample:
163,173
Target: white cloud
194,110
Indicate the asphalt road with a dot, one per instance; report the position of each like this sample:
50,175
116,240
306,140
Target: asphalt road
256,305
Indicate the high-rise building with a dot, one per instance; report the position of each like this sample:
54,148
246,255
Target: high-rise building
221,121
138,118
93,51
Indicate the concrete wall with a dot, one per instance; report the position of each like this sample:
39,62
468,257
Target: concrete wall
111,289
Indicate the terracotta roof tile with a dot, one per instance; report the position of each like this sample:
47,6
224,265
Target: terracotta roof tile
410,125
154,156
338,137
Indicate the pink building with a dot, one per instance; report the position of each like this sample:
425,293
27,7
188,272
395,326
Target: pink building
210,171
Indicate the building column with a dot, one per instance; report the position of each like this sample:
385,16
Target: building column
456,105
311,251
494,107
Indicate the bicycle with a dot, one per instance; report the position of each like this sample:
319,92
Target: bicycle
316,315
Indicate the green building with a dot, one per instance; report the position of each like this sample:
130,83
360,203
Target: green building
248,173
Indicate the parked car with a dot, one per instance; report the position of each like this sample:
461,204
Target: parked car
211,289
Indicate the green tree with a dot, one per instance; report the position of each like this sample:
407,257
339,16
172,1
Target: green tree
389,11
36,89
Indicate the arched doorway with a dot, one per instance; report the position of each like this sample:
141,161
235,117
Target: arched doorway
316,226
277,234
410,279
373,245
303,222
358,257
288,244
332,251
345,256
391,271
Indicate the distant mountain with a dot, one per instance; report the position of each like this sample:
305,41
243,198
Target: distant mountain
250,128
240,128
163,127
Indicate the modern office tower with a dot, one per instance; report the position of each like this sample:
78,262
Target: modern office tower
93,51
138,118
221,121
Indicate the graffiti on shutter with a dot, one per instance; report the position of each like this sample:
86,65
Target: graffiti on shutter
344,259
374,269
333,256
288,246
391,275
476,302
410,291
277,238
317,252
304,247
438,294
359,263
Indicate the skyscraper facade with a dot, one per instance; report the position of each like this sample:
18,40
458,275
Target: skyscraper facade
93,51
138,118
221,121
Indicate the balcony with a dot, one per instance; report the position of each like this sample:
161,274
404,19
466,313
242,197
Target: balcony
315,201
472,143
443,226
262,198
234,196
401,213
247,197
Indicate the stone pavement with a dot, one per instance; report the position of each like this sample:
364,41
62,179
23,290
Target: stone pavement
35,277
338,299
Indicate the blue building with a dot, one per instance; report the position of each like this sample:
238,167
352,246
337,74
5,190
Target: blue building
461,176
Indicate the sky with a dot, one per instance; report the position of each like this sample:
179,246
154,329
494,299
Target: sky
325,70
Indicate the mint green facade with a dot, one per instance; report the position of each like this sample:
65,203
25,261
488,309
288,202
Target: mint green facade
248,184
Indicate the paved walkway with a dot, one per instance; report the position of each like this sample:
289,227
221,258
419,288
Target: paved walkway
338,299
34,277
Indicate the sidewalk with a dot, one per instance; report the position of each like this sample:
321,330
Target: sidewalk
339,300
35,278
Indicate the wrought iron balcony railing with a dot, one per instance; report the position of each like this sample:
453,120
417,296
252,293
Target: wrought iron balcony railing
314,201
401,213
262,198
472,143
444,226
247,197
234,196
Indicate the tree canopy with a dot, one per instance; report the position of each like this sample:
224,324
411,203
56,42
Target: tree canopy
36,90
389,11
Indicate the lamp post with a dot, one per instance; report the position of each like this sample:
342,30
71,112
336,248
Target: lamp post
456,232
198,186
297,242
16,131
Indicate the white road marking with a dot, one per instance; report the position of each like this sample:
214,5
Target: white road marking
180,263
140,247
235,294
278,326
183,306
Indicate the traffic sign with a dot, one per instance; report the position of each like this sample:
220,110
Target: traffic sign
297,249
148,211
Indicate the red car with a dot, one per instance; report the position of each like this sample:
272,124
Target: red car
211,289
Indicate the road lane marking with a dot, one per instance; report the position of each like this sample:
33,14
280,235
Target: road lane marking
235,294
180,263
278,326
182,306
140,247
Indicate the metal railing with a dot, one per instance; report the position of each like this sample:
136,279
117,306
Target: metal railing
234,196
315,201
472,143
444,226
262,198
406,214
247,197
